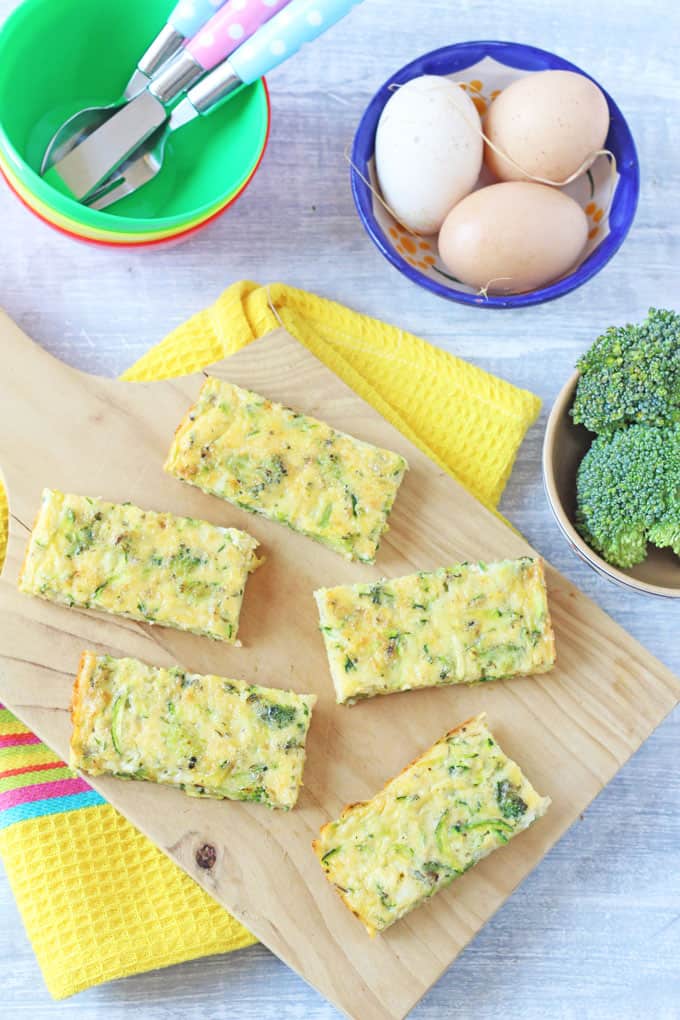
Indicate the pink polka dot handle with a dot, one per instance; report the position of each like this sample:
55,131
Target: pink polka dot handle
236,22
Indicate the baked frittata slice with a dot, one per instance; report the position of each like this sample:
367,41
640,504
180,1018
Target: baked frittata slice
290,468
207,735
460,624
447,810
173,571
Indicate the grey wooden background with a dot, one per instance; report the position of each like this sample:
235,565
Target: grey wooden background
595,931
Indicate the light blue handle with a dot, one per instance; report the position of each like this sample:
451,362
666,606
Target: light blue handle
190,15
300,22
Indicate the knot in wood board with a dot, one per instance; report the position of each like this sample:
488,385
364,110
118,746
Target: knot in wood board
206,856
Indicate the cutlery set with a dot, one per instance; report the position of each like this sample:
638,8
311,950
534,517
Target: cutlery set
207,52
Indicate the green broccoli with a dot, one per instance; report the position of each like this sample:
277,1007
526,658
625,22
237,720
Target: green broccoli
628,493
631,375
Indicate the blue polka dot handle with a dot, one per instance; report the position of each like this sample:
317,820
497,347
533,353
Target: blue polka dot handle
300,22
190,15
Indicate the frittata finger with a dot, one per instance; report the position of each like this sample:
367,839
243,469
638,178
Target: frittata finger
207,735
456,803
459,624
155,567
288,467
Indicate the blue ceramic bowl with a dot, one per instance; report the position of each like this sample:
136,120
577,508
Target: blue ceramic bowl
488,66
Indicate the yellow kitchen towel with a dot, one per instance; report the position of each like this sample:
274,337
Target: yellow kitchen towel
469,422
97,898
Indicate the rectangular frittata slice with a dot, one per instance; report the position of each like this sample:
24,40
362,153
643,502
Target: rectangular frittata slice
207,735
460,624
446,811
173,571
288,467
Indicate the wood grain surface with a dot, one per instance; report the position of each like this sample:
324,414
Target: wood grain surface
571,730
594,932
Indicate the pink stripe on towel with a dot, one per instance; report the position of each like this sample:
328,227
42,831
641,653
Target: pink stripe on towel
43,791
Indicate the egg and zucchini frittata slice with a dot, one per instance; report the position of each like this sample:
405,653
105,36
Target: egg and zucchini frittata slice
173,571
270,460
462,799
460,624
207,735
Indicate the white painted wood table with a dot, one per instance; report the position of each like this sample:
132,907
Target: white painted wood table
595,931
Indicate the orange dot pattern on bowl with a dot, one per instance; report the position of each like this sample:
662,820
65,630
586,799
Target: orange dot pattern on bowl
595,214
475,89
414,250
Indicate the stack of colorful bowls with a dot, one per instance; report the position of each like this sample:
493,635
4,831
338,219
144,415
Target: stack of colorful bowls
57,58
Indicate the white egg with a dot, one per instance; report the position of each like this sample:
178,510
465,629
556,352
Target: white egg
428,151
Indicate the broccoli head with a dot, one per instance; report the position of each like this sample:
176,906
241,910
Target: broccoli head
631,375
628,493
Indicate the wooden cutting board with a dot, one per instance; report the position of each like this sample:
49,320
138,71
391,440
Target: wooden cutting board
571,730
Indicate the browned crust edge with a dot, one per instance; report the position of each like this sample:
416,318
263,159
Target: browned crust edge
86,667
181,425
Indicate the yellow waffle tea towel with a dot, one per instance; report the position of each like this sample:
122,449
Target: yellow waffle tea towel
98,900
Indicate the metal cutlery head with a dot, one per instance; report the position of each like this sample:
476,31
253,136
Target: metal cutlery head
134,173
74,131
87,166
147,161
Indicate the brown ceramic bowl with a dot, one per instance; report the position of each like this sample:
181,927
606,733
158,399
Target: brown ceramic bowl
563,449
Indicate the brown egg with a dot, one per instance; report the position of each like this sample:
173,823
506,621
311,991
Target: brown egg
513,237
549,123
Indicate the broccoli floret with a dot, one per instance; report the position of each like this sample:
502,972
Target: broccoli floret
509,800
628,493
631,375
667,533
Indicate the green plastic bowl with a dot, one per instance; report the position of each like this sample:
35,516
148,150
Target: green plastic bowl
58,56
